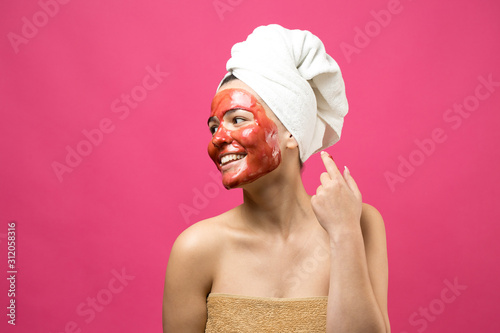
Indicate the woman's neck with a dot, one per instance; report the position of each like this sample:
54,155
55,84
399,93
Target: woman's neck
277,207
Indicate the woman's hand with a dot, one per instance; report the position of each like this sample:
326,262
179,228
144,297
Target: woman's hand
337,202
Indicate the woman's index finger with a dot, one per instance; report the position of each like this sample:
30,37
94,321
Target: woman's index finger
330,165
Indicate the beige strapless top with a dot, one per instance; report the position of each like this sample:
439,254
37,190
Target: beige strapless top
235,313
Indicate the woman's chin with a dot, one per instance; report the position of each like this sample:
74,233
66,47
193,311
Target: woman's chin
238,175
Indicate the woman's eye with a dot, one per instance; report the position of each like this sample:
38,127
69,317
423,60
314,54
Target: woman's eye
238,120
213,129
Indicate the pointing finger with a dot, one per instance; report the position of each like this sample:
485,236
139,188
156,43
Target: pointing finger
330,165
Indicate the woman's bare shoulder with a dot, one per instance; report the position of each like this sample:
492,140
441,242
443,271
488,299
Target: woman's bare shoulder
190,273
373,227
203,237
371,217
194,256
374,237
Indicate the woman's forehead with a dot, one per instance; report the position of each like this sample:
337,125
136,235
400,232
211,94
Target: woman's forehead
237,84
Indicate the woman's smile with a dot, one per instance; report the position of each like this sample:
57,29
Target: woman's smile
230,158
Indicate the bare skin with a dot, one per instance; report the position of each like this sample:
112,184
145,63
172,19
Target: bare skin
281,242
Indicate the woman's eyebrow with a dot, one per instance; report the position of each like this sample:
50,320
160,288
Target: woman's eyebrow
228,112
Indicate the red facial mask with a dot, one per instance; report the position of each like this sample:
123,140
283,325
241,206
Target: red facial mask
245,143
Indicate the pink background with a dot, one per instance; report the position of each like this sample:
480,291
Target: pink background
119,209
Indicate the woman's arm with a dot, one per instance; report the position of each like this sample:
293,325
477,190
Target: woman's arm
374,239
187,283
357,299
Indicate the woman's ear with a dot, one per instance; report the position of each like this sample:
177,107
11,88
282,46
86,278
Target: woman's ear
291,143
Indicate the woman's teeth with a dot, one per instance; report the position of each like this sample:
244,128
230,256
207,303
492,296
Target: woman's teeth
232,157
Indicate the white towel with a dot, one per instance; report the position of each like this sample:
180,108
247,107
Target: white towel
291,71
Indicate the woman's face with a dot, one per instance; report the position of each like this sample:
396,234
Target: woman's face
244,143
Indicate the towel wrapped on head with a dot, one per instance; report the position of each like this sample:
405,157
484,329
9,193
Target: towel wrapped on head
291,71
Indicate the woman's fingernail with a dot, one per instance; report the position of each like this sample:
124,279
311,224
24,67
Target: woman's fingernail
347,169
324,153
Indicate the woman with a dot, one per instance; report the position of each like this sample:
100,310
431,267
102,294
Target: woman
283,261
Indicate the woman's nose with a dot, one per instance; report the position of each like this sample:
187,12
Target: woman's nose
221,136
